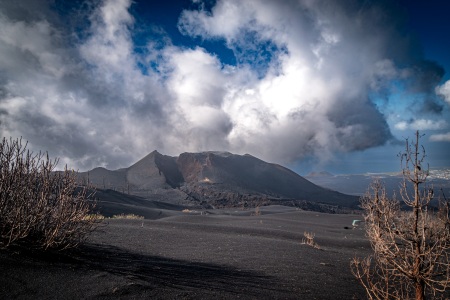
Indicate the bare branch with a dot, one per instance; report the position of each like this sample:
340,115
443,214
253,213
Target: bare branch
39,206
411,247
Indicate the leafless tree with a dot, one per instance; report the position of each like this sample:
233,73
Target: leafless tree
410,257
38,205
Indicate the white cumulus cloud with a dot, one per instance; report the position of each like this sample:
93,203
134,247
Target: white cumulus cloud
300,87
444,137
444,91
422,124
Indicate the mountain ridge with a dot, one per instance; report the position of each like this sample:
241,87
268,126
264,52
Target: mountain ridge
216,179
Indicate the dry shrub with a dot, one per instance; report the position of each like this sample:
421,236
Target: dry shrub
309,240
38,206
257,211
411,248
128,217
96,217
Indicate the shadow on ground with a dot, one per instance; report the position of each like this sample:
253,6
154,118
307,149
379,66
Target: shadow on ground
178,274
116,272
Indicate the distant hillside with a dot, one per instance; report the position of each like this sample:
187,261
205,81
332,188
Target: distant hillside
156,177
358,184
217,179
110,203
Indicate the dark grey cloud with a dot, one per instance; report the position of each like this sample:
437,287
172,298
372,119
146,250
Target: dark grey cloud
426,76
432,105
360,125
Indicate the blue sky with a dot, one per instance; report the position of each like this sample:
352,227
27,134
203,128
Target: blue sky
312,85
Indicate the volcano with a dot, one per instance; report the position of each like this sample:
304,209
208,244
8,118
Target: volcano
216,179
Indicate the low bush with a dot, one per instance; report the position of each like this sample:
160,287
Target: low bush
39,206
128,216
309,240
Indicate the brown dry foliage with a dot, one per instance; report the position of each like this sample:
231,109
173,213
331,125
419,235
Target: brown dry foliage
410,257
38,206
309,240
